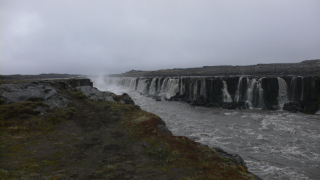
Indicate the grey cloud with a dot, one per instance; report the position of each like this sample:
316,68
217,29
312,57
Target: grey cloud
115,36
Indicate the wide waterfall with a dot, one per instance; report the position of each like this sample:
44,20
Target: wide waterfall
238,92
274,144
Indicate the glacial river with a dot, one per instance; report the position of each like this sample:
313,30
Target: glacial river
274,144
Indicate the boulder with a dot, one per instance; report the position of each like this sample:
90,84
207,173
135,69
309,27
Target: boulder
12,93
293,106
126,99
163,128
96,95
236,159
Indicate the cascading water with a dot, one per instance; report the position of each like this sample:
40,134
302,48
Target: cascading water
282,93
164,86
226,95
152,90
259,94
237,96
142,86
249,94
203,88
133,83
254,94
172,87
182,86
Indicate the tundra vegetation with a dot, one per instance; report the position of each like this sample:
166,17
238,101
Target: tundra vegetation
100,140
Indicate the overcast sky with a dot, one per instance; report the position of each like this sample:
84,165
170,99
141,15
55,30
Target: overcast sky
114,36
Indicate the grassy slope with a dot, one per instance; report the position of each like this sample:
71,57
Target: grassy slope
100,140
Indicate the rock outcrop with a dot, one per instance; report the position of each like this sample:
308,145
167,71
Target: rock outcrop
12,93
94,94
42,90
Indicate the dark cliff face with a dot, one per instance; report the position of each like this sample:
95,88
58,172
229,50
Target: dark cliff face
270,92
285,92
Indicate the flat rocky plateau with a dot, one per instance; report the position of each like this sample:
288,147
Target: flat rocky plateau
304,68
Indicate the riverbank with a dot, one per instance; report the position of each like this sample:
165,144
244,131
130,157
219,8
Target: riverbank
102,140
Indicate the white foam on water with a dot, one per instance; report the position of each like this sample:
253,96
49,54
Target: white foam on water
231,113
269,171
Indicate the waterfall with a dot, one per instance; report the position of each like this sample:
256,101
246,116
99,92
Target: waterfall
132,84
203,88
282,93
249,93
164,86
259,94
172,87
226,95
254,94
142,86
237,96
152,90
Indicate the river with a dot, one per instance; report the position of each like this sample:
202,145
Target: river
274,144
